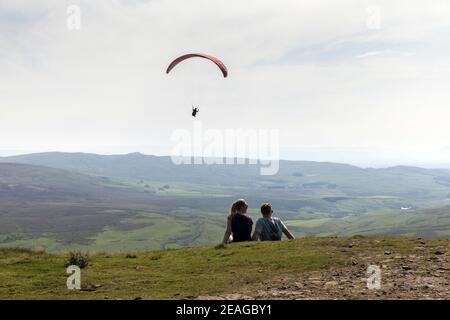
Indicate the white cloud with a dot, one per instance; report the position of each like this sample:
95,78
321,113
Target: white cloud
384,53
292,66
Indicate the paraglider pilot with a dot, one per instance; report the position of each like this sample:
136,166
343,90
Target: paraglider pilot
195,111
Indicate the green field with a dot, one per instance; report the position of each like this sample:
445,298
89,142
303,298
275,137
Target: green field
59,201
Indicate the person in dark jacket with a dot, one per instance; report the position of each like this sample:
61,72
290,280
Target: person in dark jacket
239,224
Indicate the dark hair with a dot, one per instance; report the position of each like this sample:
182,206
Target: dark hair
266,209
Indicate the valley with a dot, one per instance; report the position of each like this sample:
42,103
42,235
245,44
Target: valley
61,201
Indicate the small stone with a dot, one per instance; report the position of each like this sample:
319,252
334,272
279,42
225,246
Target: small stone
90,287
406,267
387,253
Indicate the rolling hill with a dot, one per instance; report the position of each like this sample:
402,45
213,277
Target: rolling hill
61,201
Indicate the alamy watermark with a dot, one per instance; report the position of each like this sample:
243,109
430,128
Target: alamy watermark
374,279
373,18
74,280
228,147
73,21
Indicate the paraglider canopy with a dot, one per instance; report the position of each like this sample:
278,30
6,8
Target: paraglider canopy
219,63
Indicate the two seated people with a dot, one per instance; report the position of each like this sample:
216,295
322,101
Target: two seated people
239,225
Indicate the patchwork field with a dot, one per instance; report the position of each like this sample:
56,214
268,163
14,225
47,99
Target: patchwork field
60,201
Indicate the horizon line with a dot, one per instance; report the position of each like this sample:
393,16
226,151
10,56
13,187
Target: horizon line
386,166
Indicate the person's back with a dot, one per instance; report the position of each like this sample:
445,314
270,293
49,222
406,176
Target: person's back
239,224
270,228
241,227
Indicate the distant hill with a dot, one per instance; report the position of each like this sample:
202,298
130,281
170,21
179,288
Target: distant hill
39,201
136,166
31,182
292,174
140,202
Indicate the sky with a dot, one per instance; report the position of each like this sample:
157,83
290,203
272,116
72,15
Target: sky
355,81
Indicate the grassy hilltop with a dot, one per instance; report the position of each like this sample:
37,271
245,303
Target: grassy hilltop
304,268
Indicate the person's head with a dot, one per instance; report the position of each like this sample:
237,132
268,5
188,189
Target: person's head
240,206
266,210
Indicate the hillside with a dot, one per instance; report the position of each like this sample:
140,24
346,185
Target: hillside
62,201
428,223
294,177
308,268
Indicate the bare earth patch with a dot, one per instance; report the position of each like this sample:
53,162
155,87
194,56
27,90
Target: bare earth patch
422,275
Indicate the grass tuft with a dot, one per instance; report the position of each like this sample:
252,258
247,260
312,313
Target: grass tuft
78,258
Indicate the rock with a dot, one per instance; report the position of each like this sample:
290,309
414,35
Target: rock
387,253
439,252
406,267
90,287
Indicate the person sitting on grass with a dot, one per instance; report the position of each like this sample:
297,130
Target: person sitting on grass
269,228
239,224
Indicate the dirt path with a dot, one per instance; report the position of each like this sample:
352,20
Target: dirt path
422,275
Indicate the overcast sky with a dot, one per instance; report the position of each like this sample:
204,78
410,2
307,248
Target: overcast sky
339,84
